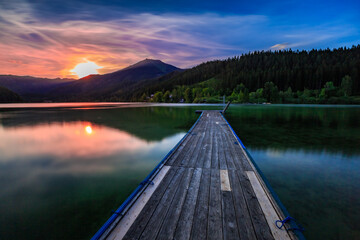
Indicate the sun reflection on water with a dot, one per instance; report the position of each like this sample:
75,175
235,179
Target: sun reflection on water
77,146
88,130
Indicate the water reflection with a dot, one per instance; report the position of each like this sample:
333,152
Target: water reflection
320,128
311,157
148,123
62,171
76,146
320,189
88,129
61,179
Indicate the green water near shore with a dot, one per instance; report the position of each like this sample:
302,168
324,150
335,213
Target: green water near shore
311,157
63,170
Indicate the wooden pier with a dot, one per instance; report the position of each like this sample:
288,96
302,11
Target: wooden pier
207,188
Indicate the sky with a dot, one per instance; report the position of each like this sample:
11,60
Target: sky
50,38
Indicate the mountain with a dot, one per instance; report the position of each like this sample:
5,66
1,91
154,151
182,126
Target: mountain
102,87
316,76
90,88
31,88
8,96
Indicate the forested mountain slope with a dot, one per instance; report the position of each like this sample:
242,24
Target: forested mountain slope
8,96
289,71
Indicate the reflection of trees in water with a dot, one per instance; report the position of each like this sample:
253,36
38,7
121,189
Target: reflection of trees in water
308,127
148,123
333,129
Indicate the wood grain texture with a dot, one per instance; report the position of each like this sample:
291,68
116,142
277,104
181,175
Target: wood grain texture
170,221
185,223
200,222
246,230
268,210
141,221
208,192
129,218
215,217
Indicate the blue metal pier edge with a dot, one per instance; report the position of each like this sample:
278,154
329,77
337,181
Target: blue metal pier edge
292,224
141,187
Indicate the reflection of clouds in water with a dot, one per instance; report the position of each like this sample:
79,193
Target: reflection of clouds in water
273,153
305,159
73,148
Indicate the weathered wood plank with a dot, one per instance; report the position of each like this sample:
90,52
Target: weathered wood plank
227,152
204,153
140,223
215,153
170,221
152,228
129,218
200,222
179,156
193,147
215,216
230,228
221,153
224,179
206,193
243,159
246,230
181,149
193,137
240,153
232,144
199,148
185,223
268,210
261,227
207,156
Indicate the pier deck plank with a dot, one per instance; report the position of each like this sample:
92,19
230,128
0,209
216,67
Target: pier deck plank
207,193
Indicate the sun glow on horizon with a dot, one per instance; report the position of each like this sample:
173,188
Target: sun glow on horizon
85,69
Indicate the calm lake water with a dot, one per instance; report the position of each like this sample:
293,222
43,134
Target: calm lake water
64,168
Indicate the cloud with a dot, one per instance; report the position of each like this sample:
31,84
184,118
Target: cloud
114,44
53,48
279,46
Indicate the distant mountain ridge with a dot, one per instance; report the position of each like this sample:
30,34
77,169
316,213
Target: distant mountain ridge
8,96
316,76
89,88
102,87
31,87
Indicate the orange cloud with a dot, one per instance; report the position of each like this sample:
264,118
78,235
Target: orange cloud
52,47
49,49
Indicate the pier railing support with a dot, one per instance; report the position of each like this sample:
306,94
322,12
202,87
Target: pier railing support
226,107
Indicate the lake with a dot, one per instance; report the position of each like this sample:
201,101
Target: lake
65,167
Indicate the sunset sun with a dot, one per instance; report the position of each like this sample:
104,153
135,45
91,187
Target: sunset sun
85,69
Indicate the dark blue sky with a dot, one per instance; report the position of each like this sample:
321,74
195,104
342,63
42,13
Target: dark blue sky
184,33
296,12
